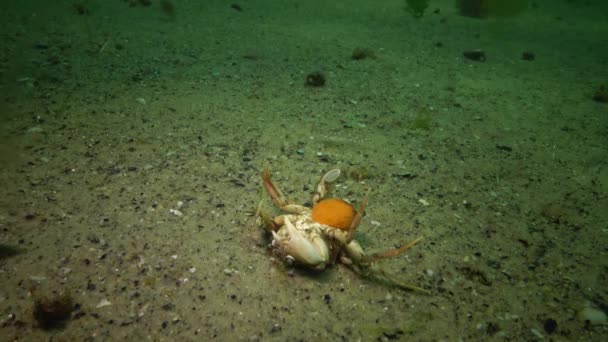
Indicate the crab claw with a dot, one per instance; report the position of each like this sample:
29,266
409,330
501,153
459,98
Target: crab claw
306,249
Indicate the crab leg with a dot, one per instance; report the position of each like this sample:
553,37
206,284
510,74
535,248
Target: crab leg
266,221
277,197
275,194
365,267
382,275
393,252
357,219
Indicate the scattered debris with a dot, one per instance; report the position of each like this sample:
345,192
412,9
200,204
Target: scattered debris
528,56
363,53
475,55
102,303
176,212
601,94
315,79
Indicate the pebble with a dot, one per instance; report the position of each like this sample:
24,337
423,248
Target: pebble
176,212
550,325
228,271
104,302
423,201
326,298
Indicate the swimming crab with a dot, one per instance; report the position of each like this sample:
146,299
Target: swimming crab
324,235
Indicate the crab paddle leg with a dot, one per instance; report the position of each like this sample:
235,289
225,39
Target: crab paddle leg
324,184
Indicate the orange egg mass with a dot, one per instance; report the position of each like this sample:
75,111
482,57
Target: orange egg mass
334,212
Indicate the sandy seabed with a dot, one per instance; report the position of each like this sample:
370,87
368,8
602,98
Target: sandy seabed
133,137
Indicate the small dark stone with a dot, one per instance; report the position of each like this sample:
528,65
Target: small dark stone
324,159
363,53
237,182
404,175
93,238
79,315
168,8
493,264
550,325
91,286
80,9
504,148
601,94
53,313
475,55
528,56
315,79
492,328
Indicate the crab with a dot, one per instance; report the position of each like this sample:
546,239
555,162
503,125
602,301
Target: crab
323,235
